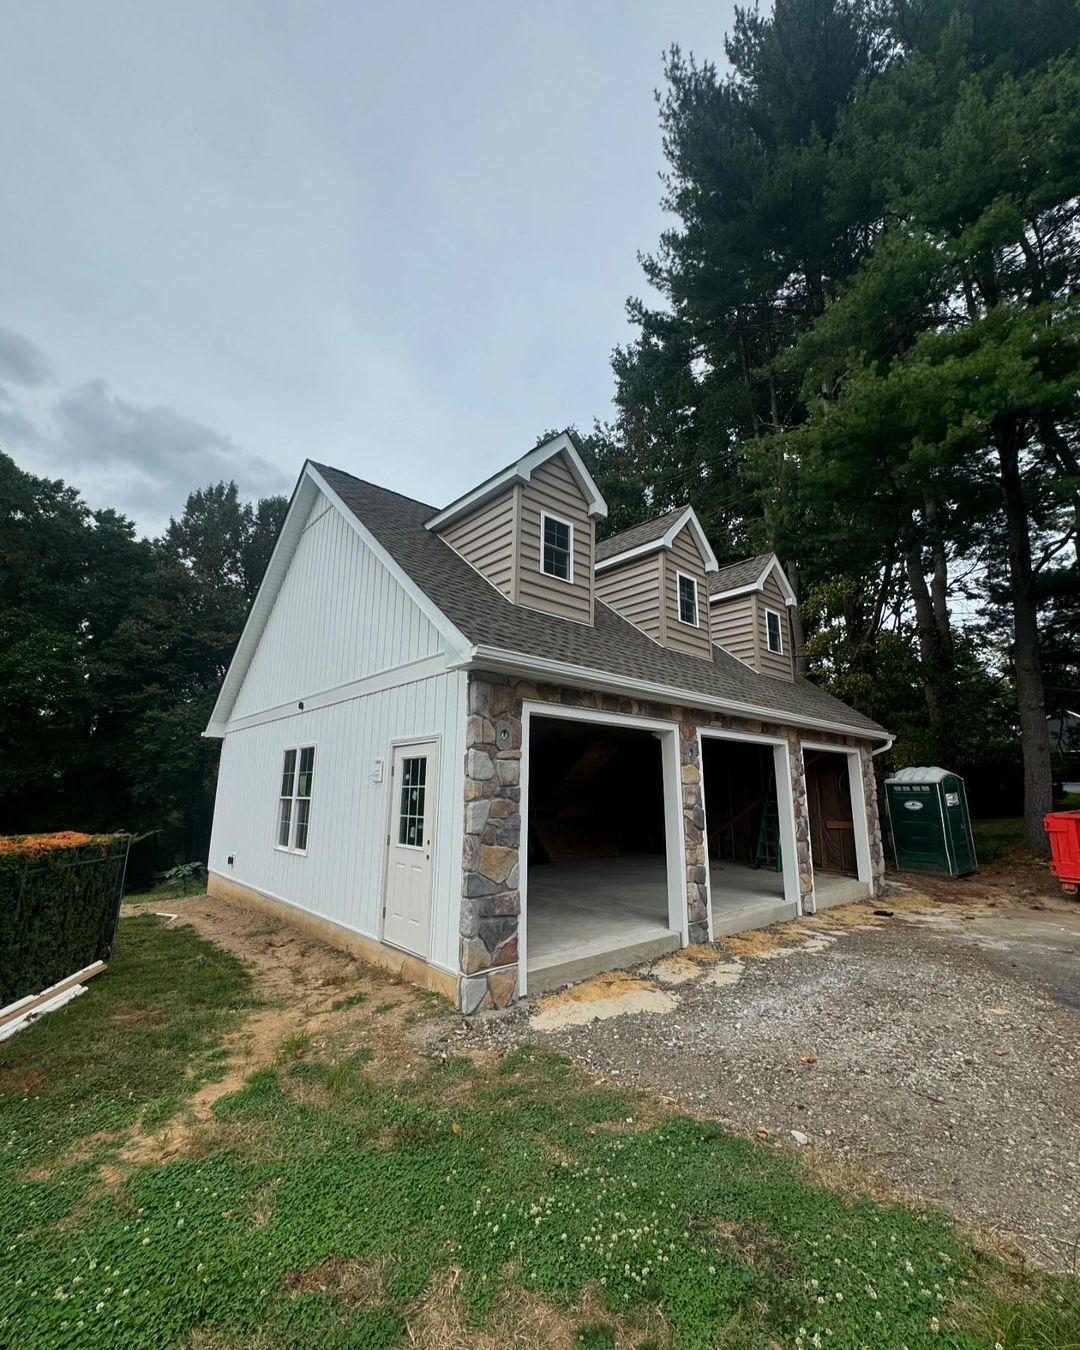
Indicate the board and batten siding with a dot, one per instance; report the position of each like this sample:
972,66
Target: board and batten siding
772,597
733,627
554,489
341,876
487,539
685,556
339,616
633,590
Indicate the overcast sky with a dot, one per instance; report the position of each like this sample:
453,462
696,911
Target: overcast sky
397,237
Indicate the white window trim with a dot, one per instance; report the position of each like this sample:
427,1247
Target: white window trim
775,651
681,576
289,848
545,516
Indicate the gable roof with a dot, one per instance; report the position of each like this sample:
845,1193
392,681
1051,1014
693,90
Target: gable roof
612,652
651,535
748,575
521,471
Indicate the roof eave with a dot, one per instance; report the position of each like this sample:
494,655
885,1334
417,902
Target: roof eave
501,661
684,518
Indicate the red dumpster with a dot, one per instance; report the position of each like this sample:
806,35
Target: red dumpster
1063,829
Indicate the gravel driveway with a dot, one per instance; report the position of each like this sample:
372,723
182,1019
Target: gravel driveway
940,1050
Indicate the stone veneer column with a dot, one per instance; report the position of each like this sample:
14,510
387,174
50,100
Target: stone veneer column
803,853
696,846
873,824
490,900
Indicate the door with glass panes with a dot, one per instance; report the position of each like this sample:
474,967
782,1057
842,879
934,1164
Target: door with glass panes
413,803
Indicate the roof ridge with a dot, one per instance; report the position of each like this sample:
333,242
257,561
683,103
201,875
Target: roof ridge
366,482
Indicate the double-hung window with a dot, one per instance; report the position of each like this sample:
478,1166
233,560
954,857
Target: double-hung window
774,632
294,801
556,547
688,602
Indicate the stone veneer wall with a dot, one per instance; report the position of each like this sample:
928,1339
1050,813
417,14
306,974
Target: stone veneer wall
490,895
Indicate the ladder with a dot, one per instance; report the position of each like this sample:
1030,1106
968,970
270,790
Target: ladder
768,844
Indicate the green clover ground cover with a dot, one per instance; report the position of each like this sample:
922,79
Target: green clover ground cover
524,1177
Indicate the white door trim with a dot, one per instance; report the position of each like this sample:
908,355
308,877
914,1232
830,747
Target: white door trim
396,743
675,848
785,802
863,864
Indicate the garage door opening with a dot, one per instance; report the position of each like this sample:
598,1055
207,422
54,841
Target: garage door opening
743,829
597,889
832,827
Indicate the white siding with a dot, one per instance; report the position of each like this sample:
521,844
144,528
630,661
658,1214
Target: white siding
340,878
340,615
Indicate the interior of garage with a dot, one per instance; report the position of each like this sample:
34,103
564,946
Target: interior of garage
597,864
742,823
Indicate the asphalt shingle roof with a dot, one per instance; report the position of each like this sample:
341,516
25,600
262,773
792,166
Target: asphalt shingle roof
745,572
611,646
637,535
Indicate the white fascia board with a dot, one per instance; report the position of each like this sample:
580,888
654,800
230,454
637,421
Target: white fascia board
521,472
307,489
292,527
584,677
781,578
684,518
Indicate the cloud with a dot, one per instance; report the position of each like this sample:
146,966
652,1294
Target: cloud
21,361
141,459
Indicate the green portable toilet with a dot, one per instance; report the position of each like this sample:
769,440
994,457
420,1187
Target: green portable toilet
931,827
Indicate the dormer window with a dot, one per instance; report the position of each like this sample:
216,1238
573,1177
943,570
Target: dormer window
688,600
774,631
556,547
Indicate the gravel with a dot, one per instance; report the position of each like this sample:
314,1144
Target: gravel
940,1053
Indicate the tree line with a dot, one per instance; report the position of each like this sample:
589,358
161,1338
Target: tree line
866,353
863,353
112,651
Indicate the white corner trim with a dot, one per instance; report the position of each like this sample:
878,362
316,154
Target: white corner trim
521,471
684,518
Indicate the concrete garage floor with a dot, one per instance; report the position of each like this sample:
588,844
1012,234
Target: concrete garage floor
586,916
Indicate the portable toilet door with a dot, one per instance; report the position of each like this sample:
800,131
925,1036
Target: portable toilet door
928,816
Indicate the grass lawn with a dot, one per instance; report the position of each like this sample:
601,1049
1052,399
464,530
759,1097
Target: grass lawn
996,839
470,1205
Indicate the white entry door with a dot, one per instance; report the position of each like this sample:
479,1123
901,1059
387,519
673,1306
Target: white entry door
413,803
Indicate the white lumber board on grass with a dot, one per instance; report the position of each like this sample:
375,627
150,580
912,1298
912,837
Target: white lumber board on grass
18,1010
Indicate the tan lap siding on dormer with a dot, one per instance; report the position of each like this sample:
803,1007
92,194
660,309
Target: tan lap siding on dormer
554,490
486,539
633,590
772,597
685,556
733,627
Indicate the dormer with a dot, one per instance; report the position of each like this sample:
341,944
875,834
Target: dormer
654,575
749,604
530,530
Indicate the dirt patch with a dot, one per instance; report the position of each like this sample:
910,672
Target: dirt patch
360,1284
297,979
611,994
438,1321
